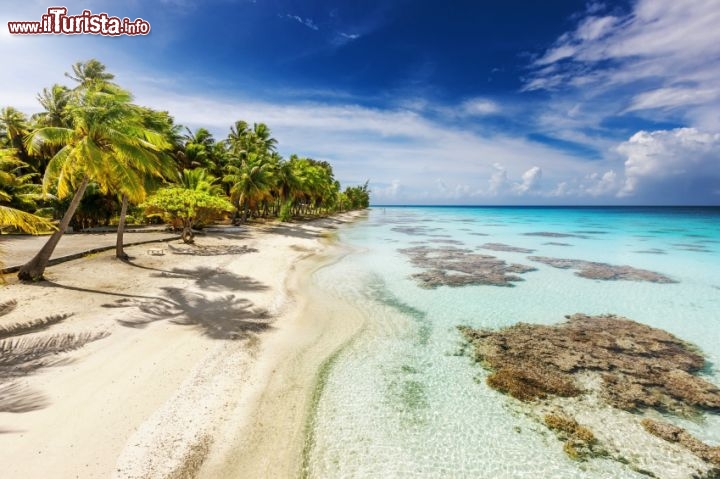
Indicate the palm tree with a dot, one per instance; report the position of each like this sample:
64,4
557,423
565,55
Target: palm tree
17,188
54,100
264,142
200,180
14,126
91,75
106,143
152,167
250,182
17,193
150,126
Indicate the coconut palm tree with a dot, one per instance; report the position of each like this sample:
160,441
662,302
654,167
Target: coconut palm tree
14,127
264,142
250,182
152,168
91,75
200,180
54,100
106,143
18,193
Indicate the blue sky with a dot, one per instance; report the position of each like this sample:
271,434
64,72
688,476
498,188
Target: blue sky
459,102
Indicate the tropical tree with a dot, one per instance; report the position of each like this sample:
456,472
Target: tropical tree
54,100
107,143
14,127
92,75
185,206
250,182
18,193
153,167
200,180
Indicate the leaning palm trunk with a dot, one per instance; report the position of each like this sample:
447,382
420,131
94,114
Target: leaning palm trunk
119,252
33,270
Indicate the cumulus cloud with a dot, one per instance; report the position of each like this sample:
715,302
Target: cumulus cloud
500,184
530,181
672,163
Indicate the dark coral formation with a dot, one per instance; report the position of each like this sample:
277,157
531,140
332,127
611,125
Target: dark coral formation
415,230
550,234
506,247
603,271
450,266
672,433
651,251
579,441
555,243
445,241
698,248
640,366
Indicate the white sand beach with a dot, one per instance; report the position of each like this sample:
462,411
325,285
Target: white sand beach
199,362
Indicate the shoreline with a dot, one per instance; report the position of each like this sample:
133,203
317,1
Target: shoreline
272,439
179,393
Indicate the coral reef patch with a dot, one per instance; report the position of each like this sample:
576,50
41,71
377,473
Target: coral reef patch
603,271
451,266
506,247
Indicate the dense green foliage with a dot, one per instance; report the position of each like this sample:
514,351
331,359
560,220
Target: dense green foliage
186,206
94,130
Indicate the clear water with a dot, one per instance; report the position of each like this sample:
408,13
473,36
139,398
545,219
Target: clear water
400,402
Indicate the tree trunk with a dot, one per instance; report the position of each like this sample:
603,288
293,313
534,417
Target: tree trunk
244,204
33,270
187,235
119,252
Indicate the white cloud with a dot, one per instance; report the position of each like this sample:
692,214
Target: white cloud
530,181
308,22
673,97
498,182
479,107
671,163
671,47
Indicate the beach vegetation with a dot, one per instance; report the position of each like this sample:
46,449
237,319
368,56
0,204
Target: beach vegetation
186,206
92,157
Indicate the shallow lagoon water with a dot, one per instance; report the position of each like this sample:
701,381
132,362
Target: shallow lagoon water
399,401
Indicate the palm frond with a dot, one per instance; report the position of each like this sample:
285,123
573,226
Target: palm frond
26,222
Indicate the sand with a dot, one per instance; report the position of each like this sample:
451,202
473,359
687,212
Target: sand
207,367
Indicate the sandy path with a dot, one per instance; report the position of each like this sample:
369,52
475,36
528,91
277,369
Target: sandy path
201,350
19,249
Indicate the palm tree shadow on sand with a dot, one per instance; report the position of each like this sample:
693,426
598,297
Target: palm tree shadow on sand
214,279
225,317
22,353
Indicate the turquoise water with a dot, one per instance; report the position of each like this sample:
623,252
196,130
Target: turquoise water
400,401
